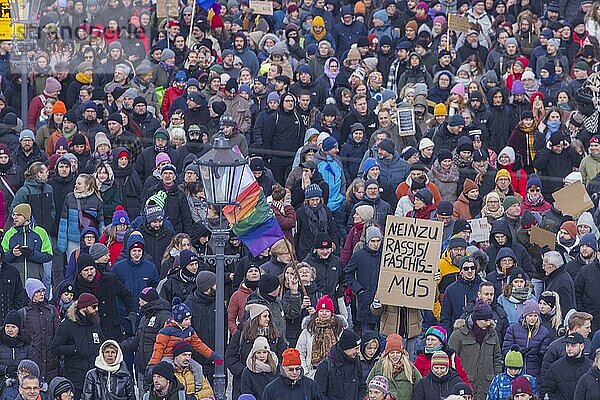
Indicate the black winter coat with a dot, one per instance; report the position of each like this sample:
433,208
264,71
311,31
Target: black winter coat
156,241
108,289
97,381
587,295
9,137
339,377
177,285
237,353
12,352
561,282
255,383
40,323
500,123
284,132
304,238
78,341
61,187
176,208
284,388
521,253
588,386
329,279
432,387
369,121
553,167
154,316
146,162
561,378
362,277
12,293
24,161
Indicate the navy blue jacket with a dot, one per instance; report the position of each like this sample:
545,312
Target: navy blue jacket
457,296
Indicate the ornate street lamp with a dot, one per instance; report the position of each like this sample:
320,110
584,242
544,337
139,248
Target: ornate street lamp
27,14
221,171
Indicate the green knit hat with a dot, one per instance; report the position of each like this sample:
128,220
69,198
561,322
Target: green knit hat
509,201
160,198
514,358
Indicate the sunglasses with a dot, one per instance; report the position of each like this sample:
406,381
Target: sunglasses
473,268
294,369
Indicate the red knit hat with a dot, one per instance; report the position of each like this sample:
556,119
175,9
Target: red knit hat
393,342
291,357
216,22
521,385
325,303
85,300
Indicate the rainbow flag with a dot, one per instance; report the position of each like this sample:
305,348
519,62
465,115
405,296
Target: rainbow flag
253,220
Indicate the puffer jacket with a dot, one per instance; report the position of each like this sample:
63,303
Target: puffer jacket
40,323
339,377
34,237
423,363
522,257
588,386
457,296
482,362
533,345
39,195
154,316
433,387
69,226
136,275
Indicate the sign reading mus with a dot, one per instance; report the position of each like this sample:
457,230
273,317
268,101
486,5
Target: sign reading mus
409,262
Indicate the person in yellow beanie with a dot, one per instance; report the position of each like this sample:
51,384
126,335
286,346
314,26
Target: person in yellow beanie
26,245
317,33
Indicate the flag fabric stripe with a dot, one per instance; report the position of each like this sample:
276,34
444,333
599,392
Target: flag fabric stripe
263,236
261,214
247,205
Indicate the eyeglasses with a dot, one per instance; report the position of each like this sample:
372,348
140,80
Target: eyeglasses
467,268
30,388
294,369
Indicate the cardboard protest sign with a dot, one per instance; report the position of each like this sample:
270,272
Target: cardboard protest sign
167,8
542,237
458,23
573,200
409,262
261,7
480,230
406,121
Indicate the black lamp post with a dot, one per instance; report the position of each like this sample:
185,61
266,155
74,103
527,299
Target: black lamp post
27,13
221,171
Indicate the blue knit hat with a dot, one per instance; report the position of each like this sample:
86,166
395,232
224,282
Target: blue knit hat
368,164
437,331
312,190
120,216
534,180
589,240
179,310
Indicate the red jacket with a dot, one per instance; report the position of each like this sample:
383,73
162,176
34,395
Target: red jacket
170,94
35,108
518,178
352,238
235,308
423,364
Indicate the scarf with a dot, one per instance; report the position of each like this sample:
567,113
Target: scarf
444,175
461,162
120,236
82,195
319,36
433,349
166,67
83,78
317,218
323,339
107,184
485,212
479,333
260,367
535,199
519,295
4,168
329,73
481,172
474,205
69,134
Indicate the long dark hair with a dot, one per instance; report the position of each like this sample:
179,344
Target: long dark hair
251,330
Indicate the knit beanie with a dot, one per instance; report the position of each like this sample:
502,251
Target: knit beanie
13,318
393,342
254,310
164,369
521,385
373,232
85,300
32,286
482,311
348,340
439,358
205,280
268,283
514,358
98,250
437,331
531,307
570,227
509,201
30,366
290,357
313,190
589,240
23,209
180,310
85,260
380,383
502,173
365,211
182,347
325,303
149,294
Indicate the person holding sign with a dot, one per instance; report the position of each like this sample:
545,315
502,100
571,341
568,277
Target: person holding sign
362,276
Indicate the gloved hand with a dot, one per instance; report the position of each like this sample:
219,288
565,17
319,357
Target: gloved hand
132,317
216,358
11,370
26,251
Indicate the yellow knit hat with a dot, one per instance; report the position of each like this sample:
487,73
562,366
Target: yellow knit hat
440,110
502,173
23,209
318,21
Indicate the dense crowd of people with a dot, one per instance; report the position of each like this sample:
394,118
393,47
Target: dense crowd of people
347,113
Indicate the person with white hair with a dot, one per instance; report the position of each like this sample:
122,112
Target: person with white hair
558,279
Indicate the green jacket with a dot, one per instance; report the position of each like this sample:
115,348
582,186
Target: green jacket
399,386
